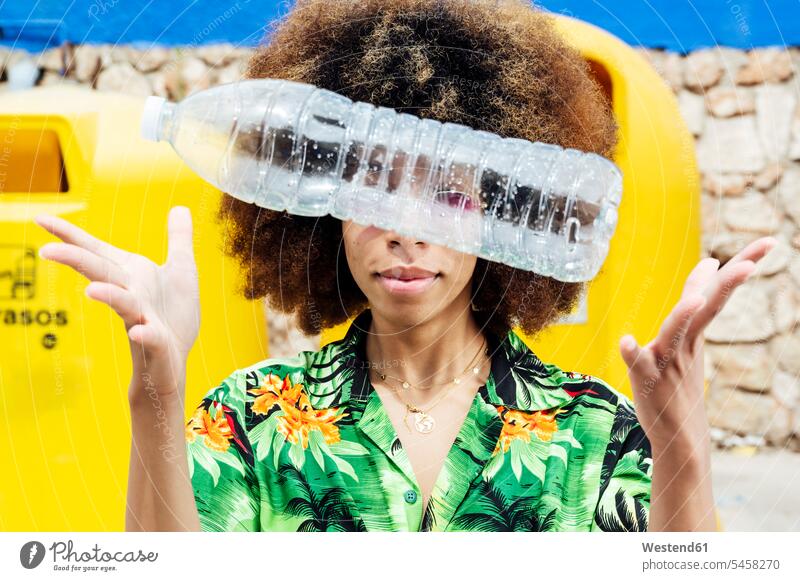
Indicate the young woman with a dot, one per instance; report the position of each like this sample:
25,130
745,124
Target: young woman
431,413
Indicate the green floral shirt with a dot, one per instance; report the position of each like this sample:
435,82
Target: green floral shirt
303,444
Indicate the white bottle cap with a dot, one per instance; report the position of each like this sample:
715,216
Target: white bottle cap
151,114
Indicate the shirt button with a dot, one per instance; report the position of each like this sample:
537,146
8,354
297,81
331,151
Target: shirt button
410,496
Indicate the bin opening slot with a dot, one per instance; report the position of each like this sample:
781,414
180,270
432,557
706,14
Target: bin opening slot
31,161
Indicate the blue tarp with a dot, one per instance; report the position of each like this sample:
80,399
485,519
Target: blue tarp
680,25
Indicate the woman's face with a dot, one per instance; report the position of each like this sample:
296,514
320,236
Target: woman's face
405,279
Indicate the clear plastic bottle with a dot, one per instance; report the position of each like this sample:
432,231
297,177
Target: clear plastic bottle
290,146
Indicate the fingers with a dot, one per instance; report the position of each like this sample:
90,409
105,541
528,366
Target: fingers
637,359
718,292
718,286
151,337
121,300
707,289
90,265
675,328
700,277
147,334
754,251
144,335
646,363
179,231
72,234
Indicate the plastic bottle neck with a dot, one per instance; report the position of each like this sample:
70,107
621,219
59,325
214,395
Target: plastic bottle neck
166,121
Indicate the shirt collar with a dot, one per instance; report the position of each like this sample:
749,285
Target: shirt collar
338,373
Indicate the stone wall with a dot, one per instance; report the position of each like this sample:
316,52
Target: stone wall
742,109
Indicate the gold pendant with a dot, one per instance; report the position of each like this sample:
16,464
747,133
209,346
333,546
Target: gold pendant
423,422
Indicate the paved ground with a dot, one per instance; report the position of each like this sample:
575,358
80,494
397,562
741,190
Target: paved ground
757,491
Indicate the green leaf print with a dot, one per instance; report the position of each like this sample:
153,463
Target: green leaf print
277,445
566,436
316,440
263,434
326,512
541,449
493,511
493,466
533,462
516,462
349,447
190,455
344,466
297,455
202,456
229,459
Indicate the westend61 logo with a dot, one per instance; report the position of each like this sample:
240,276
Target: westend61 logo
32,554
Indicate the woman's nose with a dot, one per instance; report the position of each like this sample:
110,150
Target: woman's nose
395,239
398,238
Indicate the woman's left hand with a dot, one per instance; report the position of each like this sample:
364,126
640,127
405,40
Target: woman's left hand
667,374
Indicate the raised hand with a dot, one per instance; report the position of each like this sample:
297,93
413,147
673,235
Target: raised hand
667,374
159,304
667,379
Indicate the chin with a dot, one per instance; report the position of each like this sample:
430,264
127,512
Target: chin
403,311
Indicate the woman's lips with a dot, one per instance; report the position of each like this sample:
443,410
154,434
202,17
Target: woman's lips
408,286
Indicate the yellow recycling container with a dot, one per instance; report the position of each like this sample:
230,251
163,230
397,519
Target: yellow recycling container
65,365
657,241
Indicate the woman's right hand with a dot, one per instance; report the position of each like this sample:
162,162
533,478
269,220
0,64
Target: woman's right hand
159,304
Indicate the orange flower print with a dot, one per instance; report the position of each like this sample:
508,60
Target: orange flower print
299,417
217,432
267,394
519,424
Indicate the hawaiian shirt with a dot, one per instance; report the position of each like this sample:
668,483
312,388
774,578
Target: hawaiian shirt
303,443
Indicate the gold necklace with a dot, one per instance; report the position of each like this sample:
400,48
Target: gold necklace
423,420
456,380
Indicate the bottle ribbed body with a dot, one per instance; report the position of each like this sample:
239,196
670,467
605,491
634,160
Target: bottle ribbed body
290,146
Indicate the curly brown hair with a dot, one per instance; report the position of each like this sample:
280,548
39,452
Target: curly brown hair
495,65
